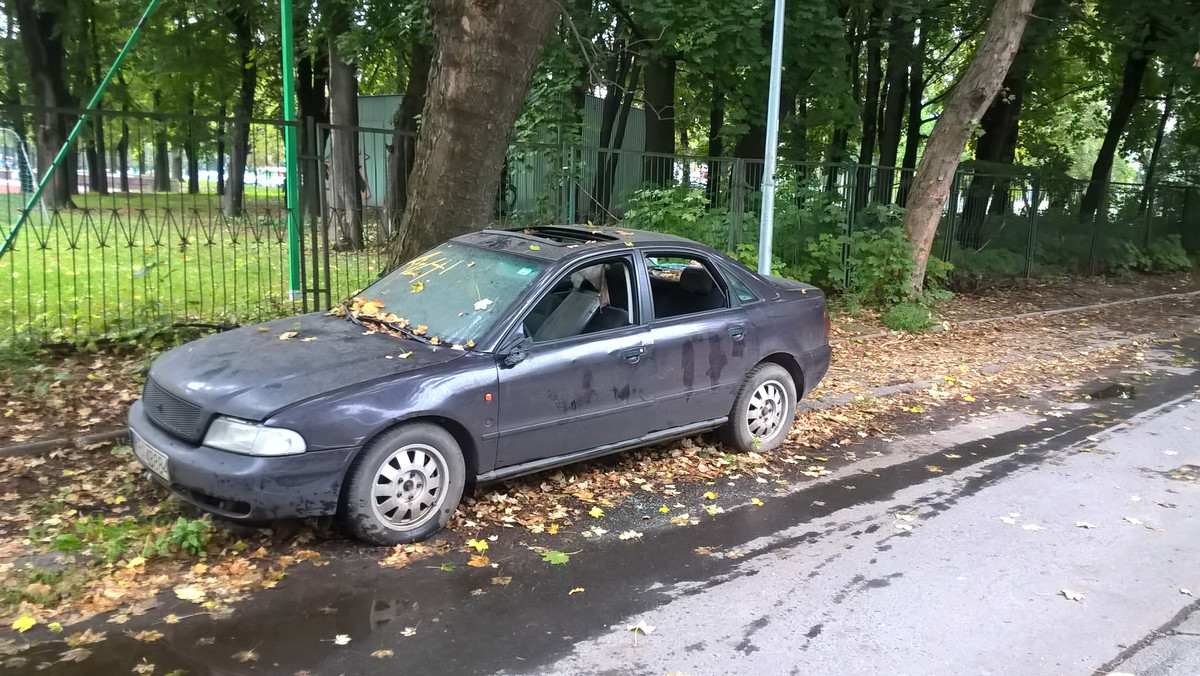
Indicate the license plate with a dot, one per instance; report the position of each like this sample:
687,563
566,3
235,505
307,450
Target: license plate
154,459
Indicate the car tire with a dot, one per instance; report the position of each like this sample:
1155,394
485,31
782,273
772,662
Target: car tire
764,410
404,486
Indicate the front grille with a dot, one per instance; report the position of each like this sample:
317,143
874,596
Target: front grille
171,412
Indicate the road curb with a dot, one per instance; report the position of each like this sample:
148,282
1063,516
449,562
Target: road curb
80,442
1027,315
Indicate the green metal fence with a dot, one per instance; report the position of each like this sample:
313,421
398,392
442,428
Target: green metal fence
151,234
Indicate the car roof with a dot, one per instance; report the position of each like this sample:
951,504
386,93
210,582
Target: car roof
554,242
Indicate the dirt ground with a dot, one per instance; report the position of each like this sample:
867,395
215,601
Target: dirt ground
958,372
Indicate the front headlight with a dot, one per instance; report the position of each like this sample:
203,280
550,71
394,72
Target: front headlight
239,436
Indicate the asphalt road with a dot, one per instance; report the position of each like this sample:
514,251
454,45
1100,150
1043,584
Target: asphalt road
1061,542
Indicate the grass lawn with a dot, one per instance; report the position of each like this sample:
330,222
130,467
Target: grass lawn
118,262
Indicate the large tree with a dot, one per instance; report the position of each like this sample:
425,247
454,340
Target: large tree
967,103
484,55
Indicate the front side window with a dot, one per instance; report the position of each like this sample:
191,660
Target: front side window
681,285
592,298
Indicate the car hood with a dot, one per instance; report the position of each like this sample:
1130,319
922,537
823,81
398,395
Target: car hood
252,372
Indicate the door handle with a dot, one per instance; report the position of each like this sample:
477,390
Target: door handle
633,354
736,331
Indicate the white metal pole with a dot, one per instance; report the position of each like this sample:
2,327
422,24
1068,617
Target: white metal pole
766,221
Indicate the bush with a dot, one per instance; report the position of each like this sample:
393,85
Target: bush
679,211
909,316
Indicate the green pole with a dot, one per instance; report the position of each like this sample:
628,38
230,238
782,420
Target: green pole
289,147
62,152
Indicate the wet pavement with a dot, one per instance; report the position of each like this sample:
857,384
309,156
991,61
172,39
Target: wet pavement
949,554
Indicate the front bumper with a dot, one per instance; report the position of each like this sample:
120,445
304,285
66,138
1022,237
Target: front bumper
245,487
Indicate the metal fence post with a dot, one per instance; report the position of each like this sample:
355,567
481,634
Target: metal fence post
952,216
1031,241
1152,190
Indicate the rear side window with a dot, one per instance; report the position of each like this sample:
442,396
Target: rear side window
739,288
680,285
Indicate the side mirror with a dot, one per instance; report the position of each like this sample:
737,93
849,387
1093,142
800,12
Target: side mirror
515,349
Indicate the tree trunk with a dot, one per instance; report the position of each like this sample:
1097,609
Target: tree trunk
870,113
162,156
312,69
41,38
345,199
97,166
1122,110
221,152
404,136
971,96
716,144
243,110
900,37
484,56
659,97
1152,168
916,108
997,145
123,155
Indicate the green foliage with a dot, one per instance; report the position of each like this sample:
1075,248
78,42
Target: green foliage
679,211
747,254
1165,254
41,586
112,539
871,267
909,316
554,557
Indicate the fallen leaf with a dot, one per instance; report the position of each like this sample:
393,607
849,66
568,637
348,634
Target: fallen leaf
709,495
967,397
448,567
534,247
246,656
630,535
664,509
417,287
1083,524
1008,519
502,580
483,304
192,594
341,639
934,468
288,335
380,654
148,635
478,562
1032,526
577,590
1134,520
554,557
1185,591
1071,596
642,627
756,502
478,545
24,623
409,631
75,655
596,512
308,340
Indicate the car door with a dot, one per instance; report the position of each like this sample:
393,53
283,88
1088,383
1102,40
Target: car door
578,384
704,344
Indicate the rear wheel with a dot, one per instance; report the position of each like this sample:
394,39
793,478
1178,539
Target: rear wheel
763,411
404,486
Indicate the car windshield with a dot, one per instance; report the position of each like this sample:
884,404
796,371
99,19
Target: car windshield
455,291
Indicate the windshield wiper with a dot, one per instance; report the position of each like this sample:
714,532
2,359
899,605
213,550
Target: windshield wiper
408,332
349,314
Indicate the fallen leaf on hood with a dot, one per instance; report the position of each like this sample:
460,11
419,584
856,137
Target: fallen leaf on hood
287,336
1071,596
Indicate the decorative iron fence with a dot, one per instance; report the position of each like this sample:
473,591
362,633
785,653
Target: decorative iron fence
154,231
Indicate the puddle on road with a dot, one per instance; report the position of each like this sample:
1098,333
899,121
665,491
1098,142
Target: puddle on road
1115,391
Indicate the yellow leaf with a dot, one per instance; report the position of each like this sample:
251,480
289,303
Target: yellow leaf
172,619
287,335
934,468
189,593
967,397
534,247
55,627
417,287
756,502
664,509
308,339
148,635
479,545
380,654
24,623
502,580
263,328
135,562
596,512
553,529
478,562
577,590
820,459
709,495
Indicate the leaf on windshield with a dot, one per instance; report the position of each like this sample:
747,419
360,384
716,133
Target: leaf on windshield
417,287
420,330
287,336
483,304
435,341
534,247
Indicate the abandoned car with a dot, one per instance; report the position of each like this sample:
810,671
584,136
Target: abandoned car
497,353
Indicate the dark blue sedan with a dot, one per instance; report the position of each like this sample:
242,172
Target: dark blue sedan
498,353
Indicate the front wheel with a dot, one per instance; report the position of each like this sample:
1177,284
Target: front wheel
404,486
763,411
